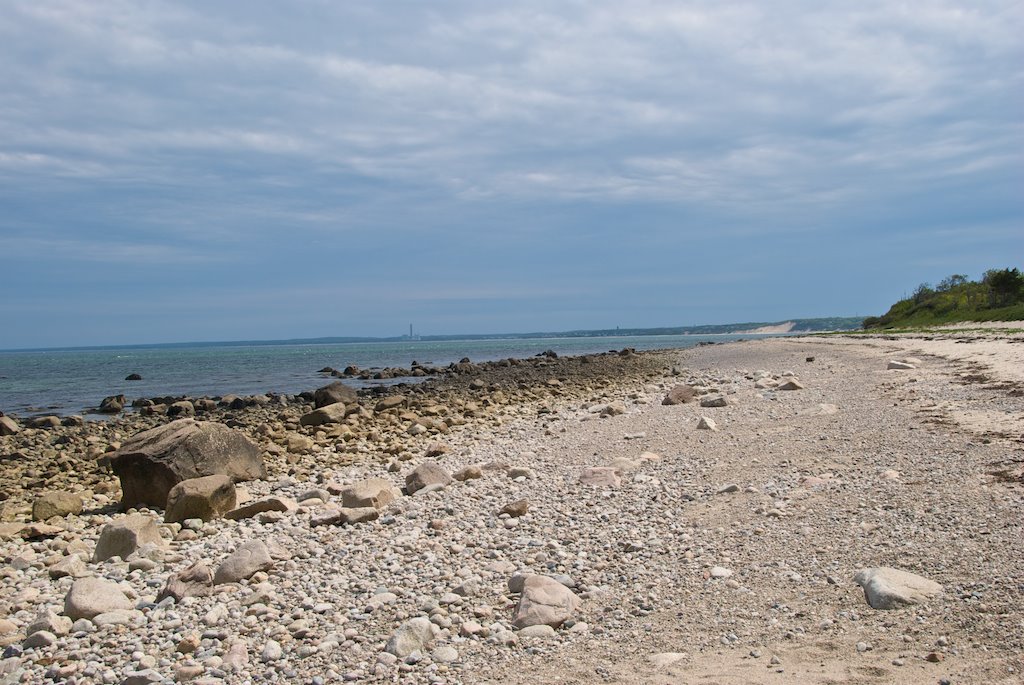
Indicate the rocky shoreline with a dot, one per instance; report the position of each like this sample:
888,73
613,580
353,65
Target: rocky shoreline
725,512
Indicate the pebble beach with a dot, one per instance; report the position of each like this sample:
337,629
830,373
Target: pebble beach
787,510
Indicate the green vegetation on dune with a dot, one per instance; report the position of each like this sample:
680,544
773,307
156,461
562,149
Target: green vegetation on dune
997,296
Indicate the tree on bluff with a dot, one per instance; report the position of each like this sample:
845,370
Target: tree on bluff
1006,286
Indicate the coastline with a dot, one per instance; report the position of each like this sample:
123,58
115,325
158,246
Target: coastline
814,501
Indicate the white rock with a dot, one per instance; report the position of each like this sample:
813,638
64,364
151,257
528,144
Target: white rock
890,588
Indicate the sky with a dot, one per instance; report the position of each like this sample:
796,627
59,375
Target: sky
194,170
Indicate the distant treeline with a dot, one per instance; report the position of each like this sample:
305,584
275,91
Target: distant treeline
997,296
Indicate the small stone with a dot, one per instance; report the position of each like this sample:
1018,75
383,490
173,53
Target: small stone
271,652
517,508
707,424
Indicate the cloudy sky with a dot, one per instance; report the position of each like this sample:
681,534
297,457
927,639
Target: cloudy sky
179,171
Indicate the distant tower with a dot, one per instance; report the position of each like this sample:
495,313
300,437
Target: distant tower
410,331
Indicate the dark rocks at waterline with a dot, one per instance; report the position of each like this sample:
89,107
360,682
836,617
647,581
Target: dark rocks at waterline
152,462
112,405
133,377
333,393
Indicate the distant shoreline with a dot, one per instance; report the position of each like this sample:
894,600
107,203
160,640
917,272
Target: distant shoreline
813,325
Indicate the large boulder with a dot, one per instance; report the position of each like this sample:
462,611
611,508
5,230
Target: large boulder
332,413
150,463
203,498
544,601
251,557
373,492
333,393
8,426
123,537
427,474
194,581
90,596
52,504
890,588
680,394
113,404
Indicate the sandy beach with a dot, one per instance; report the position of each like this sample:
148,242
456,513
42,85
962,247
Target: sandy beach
723,554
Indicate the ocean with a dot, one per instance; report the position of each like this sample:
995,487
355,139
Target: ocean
72,381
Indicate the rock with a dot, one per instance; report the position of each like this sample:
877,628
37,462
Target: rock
665,659
144,677
544,601
182,408
890,588
391,402
89,597
542,631
415,635
346,515
373,492
680,394
9,426
714,401
616,408
39,639
331,413
299,444
468,473
791,384
900,366
133,377
333,393
121,537
445,654
53,504
51,622
72,565
521,472
284,504
428,473
112,405
194,581
720,572
516,509
150,463
602,476
707,424
271,652
205,498
45,422
251,557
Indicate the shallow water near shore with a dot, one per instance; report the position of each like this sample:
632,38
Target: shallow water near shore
74,380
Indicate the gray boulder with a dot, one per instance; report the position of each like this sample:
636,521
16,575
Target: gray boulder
890,588
8,426
544,601
332,393
52,504
150,463
123,537
415,635
373,492
331,413
680,394
251,557
90,596
428,473
195,581
203,498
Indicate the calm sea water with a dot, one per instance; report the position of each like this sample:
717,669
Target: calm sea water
72,381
